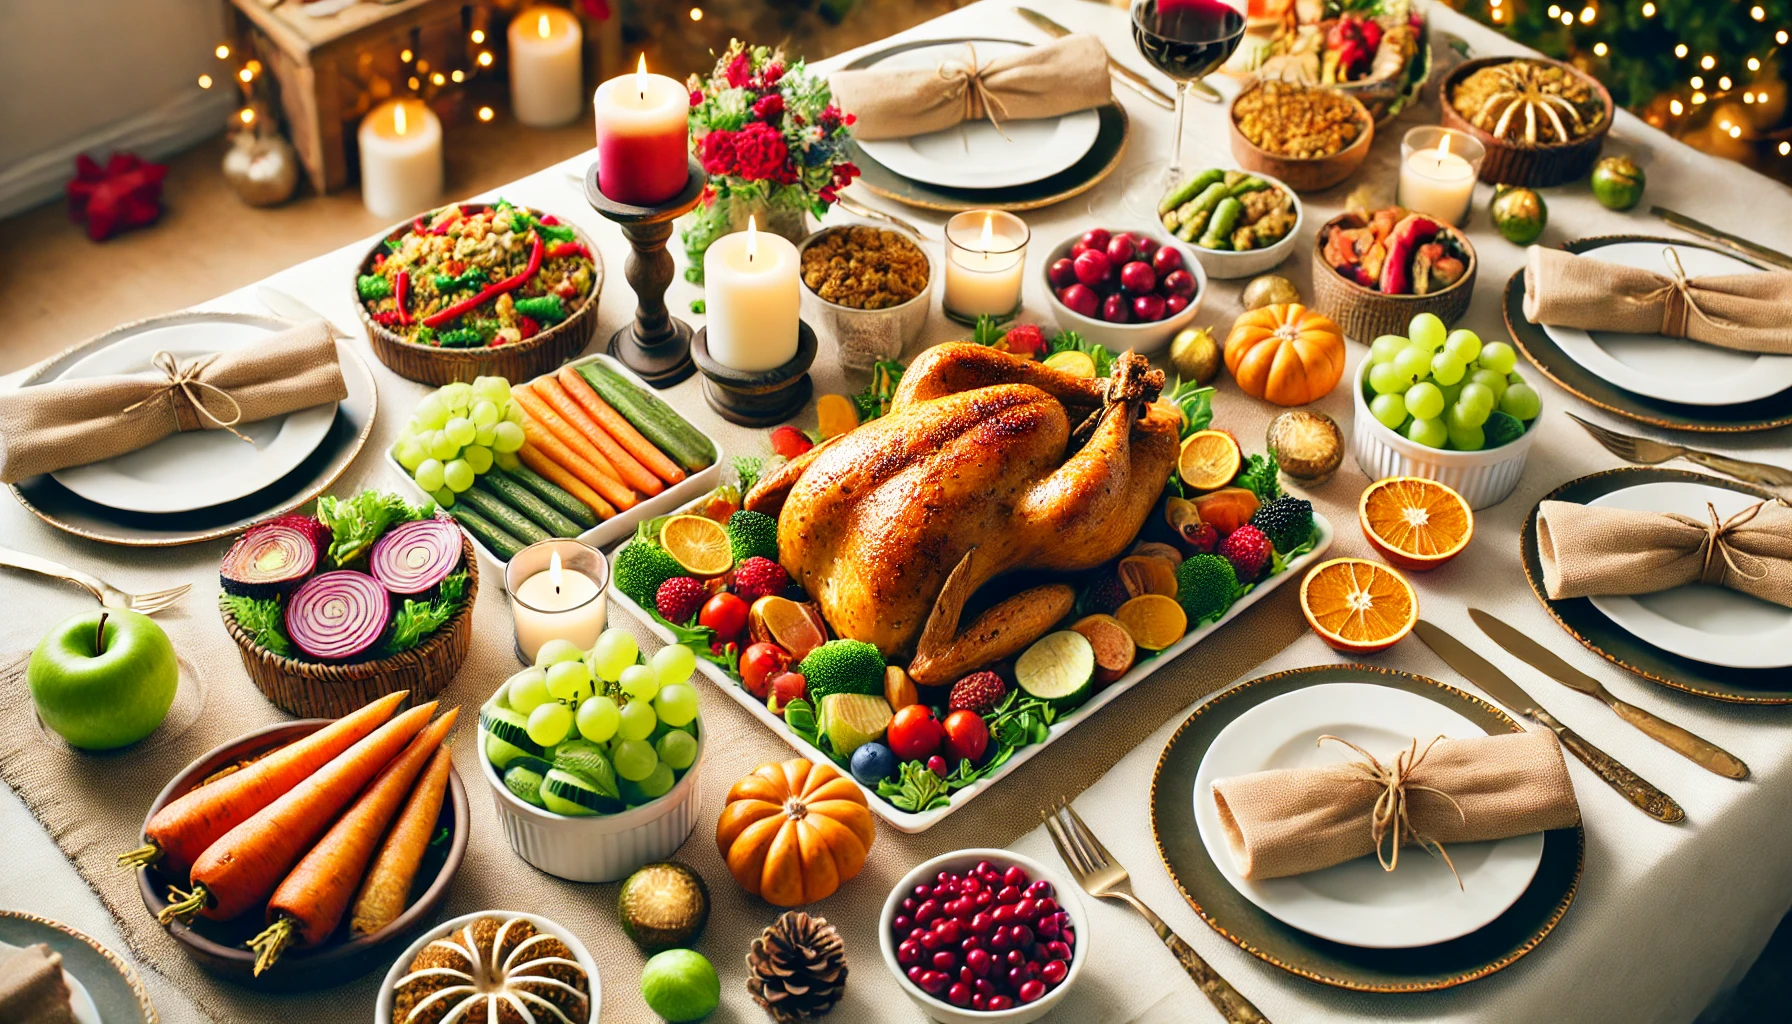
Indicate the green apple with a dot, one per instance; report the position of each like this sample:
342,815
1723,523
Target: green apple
103,679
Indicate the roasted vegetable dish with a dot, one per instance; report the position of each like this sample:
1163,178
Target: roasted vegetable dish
1219,209
1395,252
1374,49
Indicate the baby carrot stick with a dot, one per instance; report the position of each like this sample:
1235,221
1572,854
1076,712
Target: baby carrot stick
545,443
627,469
309,904
580,391
557,475
631,468
388,882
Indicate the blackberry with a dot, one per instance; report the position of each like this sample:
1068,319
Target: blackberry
1287,522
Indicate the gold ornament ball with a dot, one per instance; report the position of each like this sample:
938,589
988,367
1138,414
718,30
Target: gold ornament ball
663,905
263,169
1195,355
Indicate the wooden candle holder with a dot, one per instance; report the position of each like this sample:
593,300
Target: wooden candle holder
757,399
657,345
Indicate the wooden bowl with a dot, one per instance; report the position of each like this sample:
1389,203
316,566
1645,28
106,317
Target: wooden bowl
1364,313
218,946
1532,166
334,689
1302,174
523,360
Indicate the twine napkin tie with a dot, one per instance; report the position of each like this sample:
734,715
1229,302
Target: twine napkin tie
1677,301
1591,550
185,382
979,100
1391,812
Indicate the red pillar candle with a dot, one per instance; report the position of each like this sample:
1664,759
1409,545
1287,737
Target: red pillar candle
642,137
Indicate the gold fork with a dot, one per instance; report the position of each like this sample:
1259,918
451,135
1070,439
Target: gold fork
1648,452
1103,878
106,593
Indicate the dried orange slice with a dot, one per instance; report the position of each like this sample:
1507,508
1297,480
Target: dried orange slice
1155,621
1415,524
1077,364
698,544
1358,606
1209,459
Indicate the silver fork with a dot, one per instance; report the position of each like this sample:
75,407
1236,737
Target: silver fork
1648,452
107,594
1102,877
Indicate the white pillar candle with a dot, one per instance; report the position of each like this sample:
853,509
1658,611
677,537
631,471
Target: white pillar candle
401,158
546,87
986,256
556,603
1439,180
750,293
643,137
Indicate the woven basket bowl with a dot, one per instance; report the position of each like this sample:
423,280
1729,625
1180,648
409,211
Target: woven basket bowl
1531,166
1302,174
524,360
314,689
1366,314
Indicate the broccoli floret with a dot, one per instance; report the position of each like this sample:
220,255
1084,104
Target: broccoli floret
753,534
1205,585
843,666
1259,477
641,568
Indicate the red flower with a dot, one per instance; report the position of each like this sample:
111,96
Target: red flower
826,195
740,71
761,153
830,117
719,156
696,97
772,73
770,107
844,173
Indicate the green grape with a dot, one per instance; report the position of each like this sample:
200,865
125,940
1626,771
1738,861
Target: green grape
1425,401
1515,378
495,390
1466,439
638,682
637,720
458,475
1427,330
410,454
484,414
1464,344
1389,409
460,430
1462,416
514,414
614,651
506,461
1447,369
441,446
529,690
456,396
676,704
1450,392
1386,347
673,663
507,437
657,783
477,457
484,436
1478,395
598,718
634,759
677,749
550,723
569,680
428,474
1498,357
444,497
1521,400
1384,379
431,413
556,651
1430,433
1495,383
1413,362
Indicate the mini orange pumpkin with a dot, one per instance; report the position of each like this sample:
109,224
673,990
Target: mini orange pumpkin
1285,353
792,832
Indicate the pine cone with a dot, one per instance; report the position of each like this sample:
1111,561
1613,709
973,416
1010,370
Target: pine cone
799,968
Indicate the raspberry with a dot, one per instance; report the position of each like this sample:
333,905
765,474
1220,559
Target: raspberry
1024,339
1248,550
1106,593
678,599
759,577
979,692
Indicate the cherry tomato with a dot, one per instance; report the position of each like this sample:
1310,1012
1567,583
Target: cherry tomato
726,614
759,663
914,733
790,442
966,736
789,686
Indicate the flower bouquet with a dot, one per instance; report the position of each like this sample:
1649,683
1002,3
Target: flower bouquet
773,143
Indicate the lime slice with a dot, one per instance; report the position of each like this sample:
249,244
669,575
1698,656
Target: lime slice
1059,668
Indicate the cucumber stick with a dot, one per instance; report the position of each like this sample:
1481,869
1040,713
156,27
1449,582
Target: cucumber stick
507,519
1059,668
524,500
497,541
656,420
568,506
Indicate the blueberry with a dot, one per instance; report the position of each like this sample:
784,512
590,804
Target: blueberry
872,763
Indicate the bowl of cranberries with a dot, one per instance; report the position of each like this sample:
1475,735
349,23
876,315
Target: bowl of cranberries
984,935
1125,289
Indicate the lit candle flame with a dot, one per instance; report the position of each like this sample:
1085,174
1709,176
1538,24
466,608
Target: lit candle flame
1443,150
546,29
752,238
554,571
988,241
398,118
641,76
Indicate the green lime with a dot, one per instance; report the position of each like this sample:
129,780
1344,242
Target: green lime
681,985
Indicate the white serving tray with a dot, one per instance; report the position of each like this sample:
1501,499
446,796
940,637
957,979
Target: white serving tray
622,525
912,823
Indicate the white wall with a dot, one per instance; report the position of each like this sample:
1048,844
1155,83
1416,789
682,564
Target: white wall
97,75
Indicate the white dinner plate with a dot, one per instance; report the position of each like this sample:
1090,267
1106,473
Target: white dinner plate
1716,625
976,154
199,468
1357,903
1674,369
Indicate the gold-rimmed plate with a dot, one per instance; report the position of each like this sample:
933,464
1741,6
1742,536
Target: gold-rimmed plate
105,987
1618,645
1426,968
1543,351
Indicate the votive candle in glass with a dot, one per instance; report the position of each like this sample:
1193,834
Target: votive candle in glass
1438,167
556,590
986,258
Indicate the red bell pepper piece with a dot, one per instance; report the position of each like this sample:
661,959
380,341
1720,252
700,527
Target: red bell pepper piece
559,249
401,292
490,291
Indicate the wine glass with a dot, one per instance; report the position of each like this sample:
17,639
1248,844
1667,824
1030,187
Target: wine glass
1187,40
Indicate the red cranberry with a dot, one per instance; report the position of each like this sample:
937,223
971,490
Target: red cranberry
971,885
980,1002
909,903
1045,904
1026,910
945,960
1174,304
1017,976
926,912
930,941
1166,259
1137,277
976,961
1053,973
1062,273
1032,990
944,878
949,931
1147,247
1057,950
1047,927
914,934
999,940
983,867
923,891
1091,267
1021,936
908,953
1179,282
1041,889
1079,248
1116,310
981,923
915,972
933,982
1121,248
1096,238
1015,876
1069,936
983,899
1014,958
1148,308
1000,1003
1033,968
1080,299
984,987
959,994
1008,894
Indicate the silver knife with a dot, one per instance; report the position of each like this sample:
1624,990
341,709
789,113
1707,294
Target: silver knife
1752,251
289,308
1698,750
1127,76
1500,687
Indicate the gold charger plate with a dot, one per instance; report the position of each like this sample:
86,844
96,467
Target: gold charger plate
1618,645
1421,969
111,982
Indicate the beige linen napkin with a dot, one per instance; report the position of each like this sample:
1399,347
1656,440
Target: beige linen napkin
1294,820
32,990
1747,312
47,427
1060,77
1587,549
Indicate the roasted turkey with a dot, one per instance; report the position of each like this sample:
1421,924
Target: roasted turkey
985,464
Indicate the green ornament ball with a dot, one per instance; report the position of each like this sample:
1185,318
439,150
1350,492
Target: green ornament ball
1617,183
1519,213
681,985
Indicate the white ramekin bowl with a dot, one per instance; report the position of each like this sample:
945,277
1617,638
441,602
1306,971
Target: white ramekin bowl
1142,338
382,1009
1067,895
1483,478
1226,264
601,847
864,336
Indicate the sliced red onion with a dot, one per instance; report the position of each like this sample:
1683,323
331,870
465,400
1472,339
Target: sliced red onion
416,556
338,614
270,559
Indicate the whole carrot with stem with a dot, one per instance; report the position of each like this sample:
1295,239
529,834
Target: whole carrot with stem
388,881
180,831
237,872
612,422
310,902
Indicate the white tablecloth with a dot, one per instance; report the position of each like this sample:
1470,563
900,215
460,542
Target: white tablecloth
1665,917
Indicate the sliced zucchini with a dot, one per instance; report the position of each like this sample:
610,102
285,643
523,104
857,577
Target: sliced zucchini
1059,669
574,795
507,736
524,776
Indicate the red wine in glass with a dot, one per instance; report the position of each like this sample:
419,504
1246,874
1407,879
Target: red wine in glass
1186,39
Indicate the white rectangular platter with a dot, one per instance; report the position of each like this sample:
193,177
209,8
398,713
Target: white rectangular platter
621,526
921,822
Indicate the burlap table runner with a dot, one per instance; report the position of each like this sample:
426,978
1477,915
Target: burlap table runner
1739,311
1588,549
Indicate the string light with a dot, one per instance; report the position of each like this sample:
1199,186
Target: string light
1754,64
478,36
205,81
1680,50
1707,62
1648,10
1567,17
485,113
1499,14
246,75
405,55
414,84
1698,81
1780,37
1676,107
222,51
458,75
1555,11
1748,97
1756,12
1785,148
246,115
438,78
1735,131
696,14
1598,49
1724,83
485,58
1698,98
1587,14
422,66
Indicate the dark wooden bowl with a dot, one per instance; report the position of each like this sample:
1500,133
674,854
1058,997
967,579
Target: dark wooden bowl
524,360
1302,174
1366,314
218,946
1531,166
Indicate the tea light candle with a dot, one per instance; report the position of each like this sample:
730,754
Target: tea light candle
986,254
556,592
1438,167
545,72
642,137
401,158
750,287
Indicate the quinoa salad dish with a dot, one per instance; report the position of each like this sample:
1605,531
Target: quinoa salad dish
476,276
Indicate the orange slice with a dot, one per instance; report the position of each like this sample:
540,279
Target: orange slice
698,544
1358,606
1155,621
1209,459
1415,524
